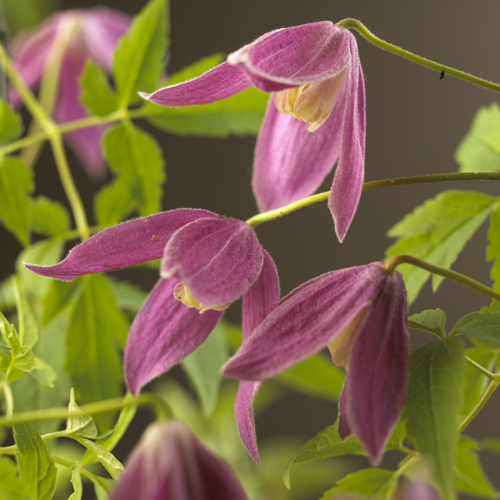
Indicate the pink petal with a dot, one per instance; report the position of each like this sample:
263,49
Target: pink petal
294,56
304,322
259,300
219,83
344,428
217,258
126,244
349,175
377,375
163,333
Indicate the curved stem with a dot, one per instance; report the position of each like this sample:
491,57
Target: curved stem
157,403
391,265
484,398
480,368
367,186
398,51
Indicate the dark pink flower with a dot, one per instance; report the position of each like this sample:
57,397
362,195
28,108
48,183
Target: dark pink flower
94,36
315,116
208,261
169,463
361,315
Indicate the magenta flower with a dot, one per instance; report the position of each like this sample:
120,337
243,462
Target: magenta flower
170,463
360,314
208,261
315,116
94,36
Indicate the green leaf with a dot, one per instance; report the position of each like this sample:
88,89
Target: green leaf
37,468
433,403
491,444
479,150
97,328
128,296
327,443
44,253
7,295
436,232
11,487
16,180
76,480
98,97
316,376
137,157
470,477
102,486
30,394
43,373
482,326
203,368
28,324
112,465
11,125
113,202
493,249
141,54
109,442
58,296
77,423
475,381
368,483
431,320
48,217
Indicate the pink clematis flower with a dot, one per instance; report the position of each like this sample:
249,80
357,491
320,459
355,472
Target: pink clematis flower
315,116
360,314
94,36
208,261
170,463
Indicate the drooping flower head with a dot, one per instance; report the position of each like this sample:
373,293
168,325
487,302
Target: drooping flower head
360,314
315,116
93,35
170,463
208,261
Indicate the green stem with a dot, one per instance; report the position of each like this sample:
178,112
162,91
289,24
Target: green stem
9,399
367,186
486,395
480,368
391,265
393,49
70,465
10,450
157,403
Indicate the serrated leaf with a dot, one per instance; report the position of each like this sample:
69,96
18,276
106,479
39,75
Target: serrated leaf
138,159
30,394
16,180
107,459
141,54
470,477
48,217
76,481
315,376
44,253
113,202
58,296
11,487
38,470
479,150
77,423
475,381
109,442
98,97
11,125
481,326
431,320
433,403
96,328
493,248
327,443
368,483
203,368
436,232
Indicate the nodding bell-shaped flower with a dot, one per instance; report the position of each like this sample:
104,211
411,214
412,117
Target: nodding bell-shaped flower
170,463
91,34
361,315
315,116
208,261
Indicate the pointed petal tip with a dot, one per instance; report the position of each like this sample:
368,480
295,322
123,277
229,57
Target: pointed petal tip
145,95
49,272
